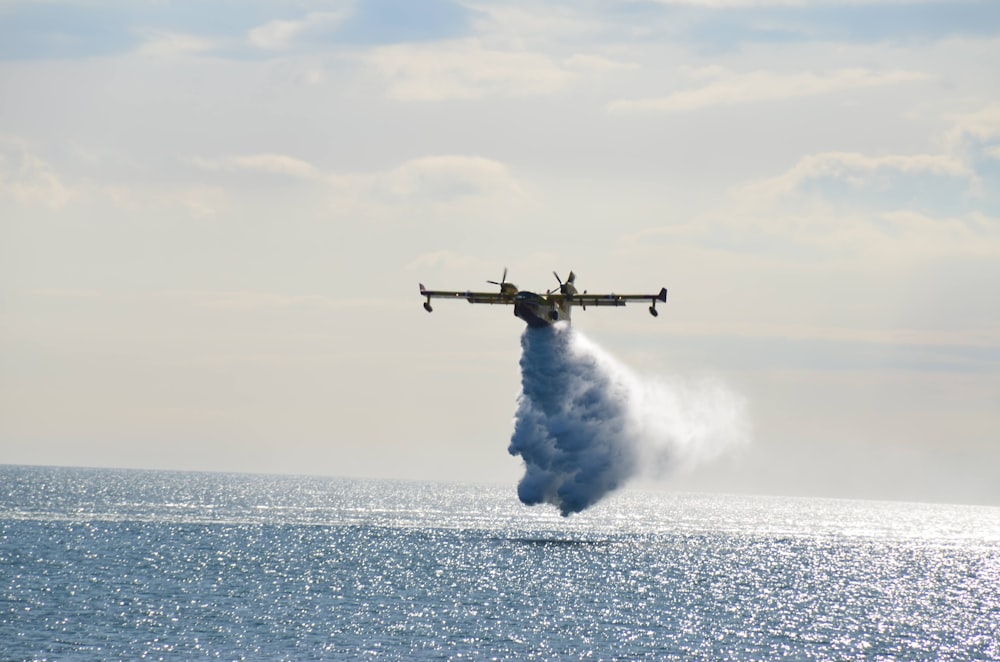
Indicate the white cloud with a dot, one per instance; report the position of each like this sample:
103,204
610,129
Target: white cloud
171,45
597,64
756,86
204,201
438,182
445,260
279,34
980,126
254,300
738,4
446,178
853,168
275,35
505,23
865,241
706,72
464,69
278,164
29,179
973,234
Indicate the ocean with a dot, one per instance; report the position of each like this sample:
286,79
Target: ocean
119,564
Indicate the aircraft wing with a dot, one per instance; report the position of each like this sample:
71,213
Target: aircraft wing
471,297
586,299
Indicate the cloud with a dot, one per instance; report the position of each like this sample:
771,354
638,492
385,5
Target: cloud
203,298
204,201
464,69
809,237
256,300
536,24
853,168
437,183
900,205
445,178
749,4
29,179
277,164
446,260
597,64
981,126
171,45
280,34
973,234
733,89
731,4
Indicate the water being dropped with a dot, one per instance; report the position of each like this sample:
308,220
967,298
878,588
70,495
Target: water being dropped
586,424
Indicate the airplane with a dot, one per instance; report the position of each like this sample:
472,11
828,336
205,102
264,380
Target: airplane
539,310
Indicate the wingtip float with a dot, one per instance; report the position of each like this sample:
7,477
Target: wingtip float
542,310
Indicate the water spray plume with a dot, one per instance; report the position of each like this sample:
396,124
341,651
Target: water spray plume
586,424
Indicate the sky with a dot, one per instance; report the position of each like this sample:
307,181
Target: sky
214,217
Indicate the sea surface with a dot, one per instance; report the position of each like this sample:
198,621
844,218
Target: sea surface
114,564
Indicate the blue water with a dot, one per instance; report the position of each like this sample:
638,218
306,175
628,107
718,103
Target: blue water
108,564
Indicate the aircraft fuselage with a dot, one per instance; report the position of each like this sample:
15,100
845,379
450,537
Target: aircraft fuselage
537,311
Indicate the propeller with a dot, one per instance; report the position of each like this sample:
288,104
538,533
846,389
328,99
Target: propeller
564,287
503,279
559,280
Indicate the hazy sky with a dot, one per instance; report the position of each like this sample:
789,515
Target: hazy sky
214,216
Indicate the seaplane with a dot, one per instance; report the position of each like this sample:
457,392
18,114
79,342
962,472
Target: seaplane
542,310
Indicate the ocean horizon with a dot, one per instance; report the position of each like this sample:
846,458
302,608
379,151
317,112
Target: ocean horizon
128,564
